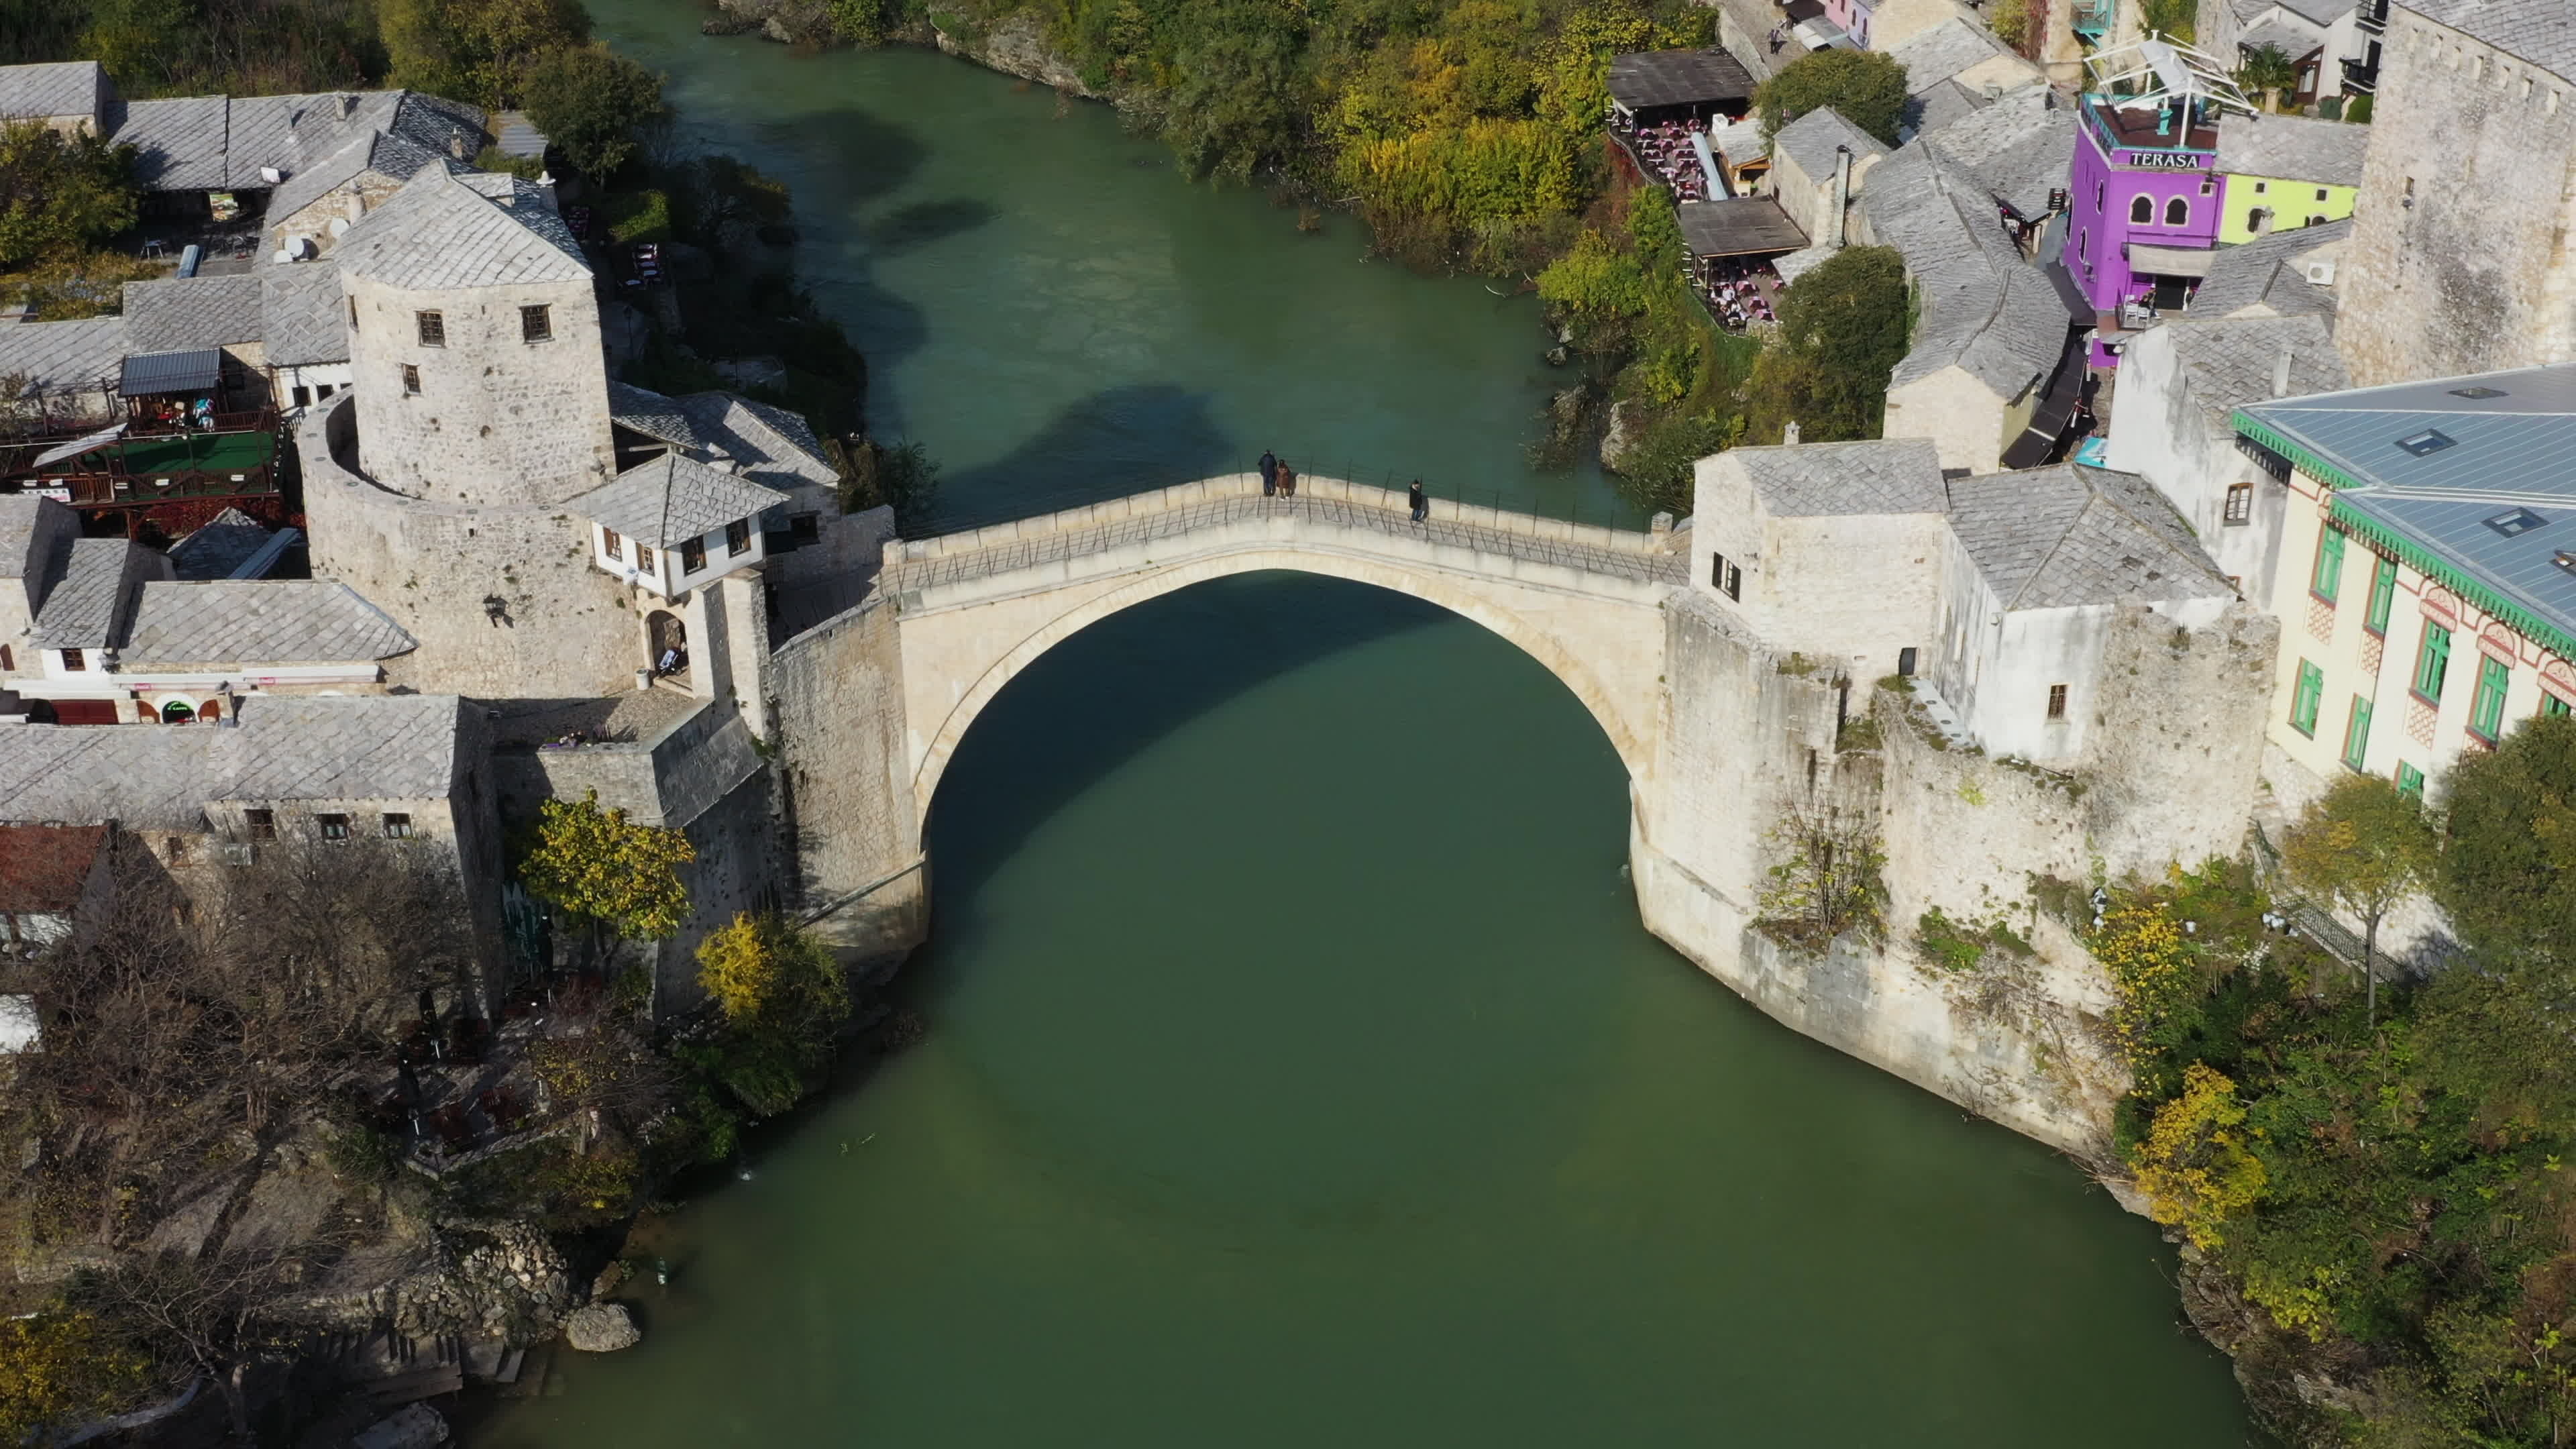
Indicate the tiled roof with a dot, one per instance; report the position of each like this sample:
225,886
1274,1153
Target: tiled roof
1810,141
2320,13
1935,55
2019,148
772,445
2293,148
18,514
671,499
179,144
301,316
1894,475
59,88
285,748
258,621
2067,536
85,608
2231,362
219,546
64,354
209,142
435,233
2540,31
1983,307
1940,104
2269,275
44,868
390,156
653,415
192,312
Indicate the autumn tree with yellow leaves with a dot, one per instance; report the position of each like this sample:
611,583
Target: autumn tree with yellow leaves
622,880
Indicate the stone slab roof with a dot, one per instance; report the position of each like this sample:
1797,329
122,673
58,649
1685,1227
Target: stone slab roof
258,621
435,233
1810,141
2231,361
2269,275
219,546
2019,148
179,144
2293,37
84,609
671,499
2070,536
64,354
2540,31
187,313
58,88
394,157
44,869
212,142
1935,55
318,748
18,534
2320,13
1812,480
2294,148
1940,104
773,446
653,415
1984,309
301,317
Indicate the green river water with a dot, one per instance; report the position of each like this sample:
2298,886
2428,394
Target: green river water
1297,1072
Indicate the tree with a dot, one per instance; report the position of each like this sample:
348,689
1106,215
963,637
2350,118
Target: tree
723,194
2270,75
2365,846
61,1366
2193,1165
592,102
2172,19
1242,91
212,1311
782,995
476,50
621,878
1842,331
2508,870
1866,86
1828,880
60,198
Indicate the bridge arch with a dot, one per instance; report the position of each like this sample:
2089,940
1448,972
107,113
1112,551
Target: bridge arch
1621,708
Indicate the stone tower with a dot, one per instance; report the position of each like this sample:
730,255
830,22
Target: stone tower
475,343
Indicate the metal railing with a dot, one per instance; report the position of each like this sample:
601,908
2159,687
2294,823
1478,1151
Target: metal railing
1626,554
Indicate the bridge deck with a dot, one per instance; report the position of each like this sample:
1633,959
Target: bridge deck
1175,512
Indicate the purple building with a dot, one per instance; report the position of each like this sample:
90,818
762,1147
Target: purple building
2145,189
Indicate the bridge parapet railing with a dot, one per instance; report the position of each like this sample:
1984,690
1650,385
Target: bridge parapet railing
1168,512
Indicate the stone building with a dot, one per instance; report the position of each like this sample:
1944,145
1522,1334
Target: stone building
2327,41
71,97
2279,173
2460,258
1819,163
1953,68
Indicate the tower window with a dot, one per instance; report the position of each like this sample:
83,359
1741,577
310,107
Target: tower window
693,555
433,328
411,380
2057,701
537,324
397,826
737,538
334,827
644,558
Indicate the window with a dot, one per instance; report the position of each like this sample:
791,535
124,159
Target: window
2240,504
303,396
177,849
2261,187
433,328
334,827
2432,663
2431,440
1725,577
74,661
6,663
2356,735
353,314
1905,662
2486,707
262,823
2177,212
2328,577
537,324
2383,594
411,380
738,538
2552,707
805,528
610,541
2142,210
397,826
2311,694
644,558
2084,245
2321,193
2516,522
324,389
2101,195
2410,781
2057,701
693,555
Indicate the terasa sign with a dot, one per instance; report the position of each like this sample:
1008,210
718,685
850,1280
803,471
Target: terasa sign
2162,160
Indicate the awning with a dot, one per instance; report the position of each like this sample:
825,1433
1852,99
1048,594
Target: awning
1821,35
2170,261
78,446
1738,226
166,372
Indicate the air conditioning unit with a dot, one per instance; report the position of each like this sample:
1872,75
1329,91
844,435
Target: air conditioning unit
271,175
2321,273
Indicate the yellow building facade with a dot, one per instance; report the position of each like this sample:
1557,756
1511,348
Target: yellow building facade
2254,206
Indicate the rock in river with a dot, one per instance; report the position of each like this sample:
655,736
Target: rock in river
602,1328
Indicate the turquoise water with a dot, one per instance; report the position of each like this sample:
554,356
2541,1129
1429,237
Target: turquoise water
1296,1069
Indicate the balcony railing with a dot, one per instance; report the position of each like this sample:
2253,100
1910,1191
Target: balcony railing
2372,15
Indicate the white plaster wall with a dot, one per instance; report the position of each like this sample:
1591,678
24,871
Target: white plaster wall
1966,422
2160,432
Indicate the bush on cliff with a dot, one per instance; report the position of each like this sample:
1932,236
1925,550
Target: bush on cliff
1866,86
1842,332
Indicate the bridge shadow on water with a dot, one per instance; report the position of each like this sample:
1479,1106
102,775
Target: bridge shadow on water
1111,691
1120,441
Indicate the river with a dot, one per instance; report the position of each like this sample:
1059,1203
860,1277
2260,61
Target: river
1297,1071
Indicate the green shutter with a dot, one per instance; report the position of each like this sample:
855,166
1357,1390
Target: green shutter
2554,707
2329,574
2356,734
2311,695
2433,662
2486,711
2383,592
2410,781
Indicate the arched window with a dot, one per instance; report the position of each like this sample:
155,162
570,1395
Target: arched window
178,712
2142,210
2101,195
210,712
2177,212
2259,220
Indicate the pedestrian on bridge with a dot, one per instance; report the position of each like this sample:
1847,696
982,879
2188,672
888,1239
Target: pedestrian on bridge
1269,473
1287,481
1421,505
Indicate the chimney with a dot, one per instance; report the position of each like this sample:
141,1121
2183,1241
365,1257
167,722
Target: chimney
1789,434
1842,195
2281,374
346,104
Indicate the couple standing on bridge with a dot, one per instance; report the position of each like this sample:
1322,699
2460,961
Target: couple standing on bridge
1279,480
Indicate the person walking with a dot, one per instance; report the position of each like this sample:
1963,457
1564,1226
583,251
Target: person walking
1421,505
1269,473
1287,481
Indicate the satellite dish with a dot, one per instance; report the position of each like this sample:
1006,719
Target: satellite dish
301,248
339,226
